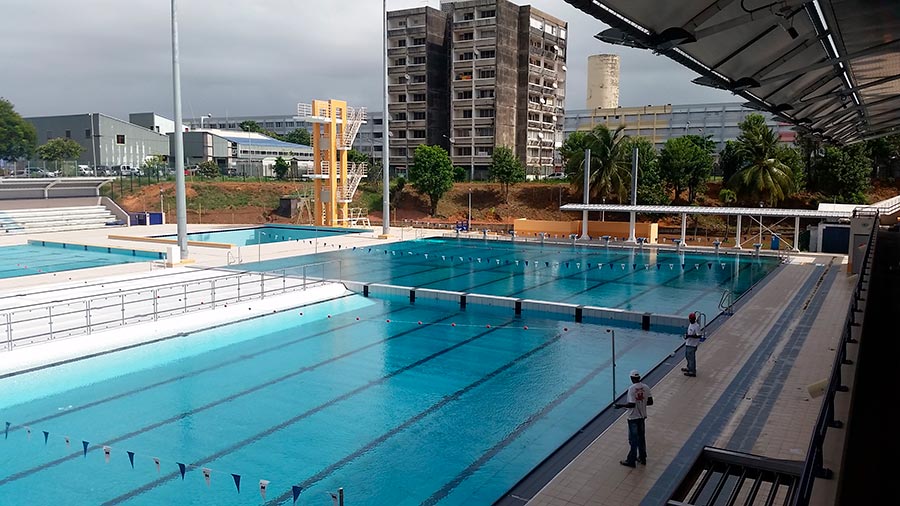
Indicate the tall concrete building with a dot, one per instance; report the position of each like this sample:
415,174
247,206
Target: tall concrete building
505,66
603,81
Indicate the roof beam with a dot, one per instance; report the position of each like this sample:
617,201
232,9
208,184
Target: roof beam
706,14
829,62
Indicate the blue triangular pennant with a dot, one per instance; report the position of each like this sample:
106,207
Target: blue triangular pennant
6,433
131,458
46,436
296,491
85,444
181,468
237,482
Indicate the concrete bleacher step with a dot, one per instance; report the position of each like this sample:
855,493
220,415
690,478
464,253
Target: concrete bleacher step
55,219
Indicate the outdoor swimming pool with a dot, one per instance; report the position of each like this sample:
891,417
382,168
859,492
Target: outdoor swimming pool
657,281
26,260
398,404
265,234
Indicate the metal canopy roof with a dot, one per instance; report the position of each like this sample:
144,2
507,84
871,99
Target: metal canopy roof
718,211
831,67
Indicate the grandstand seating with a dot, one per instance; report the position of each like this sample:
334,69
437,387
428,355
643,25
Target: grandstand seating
54,219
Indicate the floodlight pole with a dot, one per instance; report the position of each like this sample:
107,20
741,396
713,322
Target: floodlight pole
634,178
587,193
180,202
385,157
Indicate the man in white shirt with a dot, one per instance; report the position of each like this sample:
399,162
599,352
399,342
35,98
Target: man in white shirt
637,399
691,341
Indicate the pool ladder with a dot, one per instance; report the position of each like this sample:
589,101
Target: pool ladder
726,303
701,318
232,259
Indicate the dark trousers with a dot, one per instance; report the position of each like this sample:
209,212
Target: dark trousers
636,441
690,353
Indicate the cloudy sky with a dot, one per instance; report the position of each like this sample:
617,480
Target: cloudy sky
252,56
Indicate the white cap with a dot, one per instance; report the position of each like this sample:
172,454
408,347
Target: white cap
635,373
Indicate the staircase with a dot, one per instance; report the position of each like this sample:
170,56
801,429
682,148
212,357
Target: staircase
56,219
356,116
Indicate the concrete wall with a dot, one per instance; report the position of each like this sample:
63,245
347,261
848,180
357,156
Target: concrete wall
603,81
596,229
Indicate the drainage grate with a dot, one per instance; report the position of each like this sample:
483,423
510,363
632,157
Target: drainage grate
724,478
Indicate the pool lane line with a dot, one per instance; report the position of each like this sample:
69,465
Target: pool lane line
306,414
492,452
748,430
444,401
711,425
195,372
618,279
22,474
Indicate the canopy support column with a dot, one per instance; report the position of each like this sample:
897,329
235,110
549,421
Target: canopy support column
683,226
737,239
796,234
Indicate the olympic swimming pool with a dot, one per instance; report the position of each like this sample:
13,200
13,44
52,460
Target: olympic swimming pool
266,234
437,406
657,281
451,411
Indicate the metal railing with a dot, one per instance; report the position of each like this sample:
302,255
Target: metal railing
814,466
57,319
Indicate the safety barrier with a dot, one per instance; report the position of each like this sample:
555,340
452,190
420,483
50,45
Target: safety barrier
41,322
814,466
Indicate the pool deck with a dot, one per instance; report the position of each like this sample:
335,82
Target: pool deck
750,395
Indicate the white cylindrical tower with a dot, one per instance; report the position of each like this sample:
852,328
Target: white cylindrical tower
603,81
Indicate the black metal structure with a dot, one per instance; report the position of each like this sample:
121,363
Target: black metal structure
830,67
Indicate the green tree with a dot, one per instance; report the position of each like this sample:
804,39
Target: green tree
59,149
793,159
250,126
18,137
431,173
281,168
763,176
354,156
298,136
727,197
506,169
651,188
731,160
208,169
844,174
610,161
885,154
154,165
460,174
684,164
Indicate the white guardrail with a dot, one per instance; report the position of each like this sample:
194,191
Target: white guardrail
47,321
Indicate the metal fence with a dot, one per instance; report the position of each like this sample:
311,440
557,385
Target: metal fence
42,322
814,466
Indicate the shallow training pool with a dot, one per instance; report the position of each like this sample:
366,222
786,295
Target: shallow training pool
435,406
26,260
266,234
654,281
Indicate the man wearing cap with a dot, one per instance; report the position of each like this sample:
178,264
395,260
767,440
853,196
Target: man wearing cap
691,341
637,399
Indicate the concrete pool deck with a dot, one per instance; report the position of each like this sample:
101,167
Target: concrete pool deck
750,395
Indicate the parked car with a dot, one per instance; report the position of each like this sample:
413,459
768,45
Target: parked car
85,170
557,175
36,172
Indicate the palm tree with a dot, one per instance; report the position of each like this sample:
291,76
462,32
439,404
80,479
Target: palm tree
610,167
763,176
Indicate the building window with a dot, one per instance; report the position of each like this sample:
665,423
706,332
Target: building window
485,113
464,151
466,113
486,93
487,14
68,134
487,73
418,115
401,98
120,139
488,53
418,60
87,133
400,62
418,97
377,121
468,55
418,79
378,135
279,124
464,76
401,134
419,41
468,16
464,95
418,134
484,132
401,43
467,36
487,34
400,116
289,124
378,147
401,151
462,132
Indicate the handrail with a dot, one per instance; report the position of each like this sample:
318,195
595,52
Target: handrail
814,466
727,301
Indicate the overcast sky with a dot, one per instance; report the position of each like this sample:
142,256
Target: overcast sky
252,57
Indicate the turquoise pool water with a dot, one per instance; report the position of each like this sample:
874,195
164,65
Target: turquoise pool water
265,234
436,406
654,281
32,259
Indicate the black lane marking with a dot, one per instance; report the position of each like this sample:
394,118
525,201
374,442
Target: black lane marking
252,439
195,372
447,399
185,414
448,487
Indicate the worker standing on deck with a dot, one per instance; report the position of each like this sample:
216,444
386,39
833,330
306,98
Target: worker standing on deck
637,399
691,341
